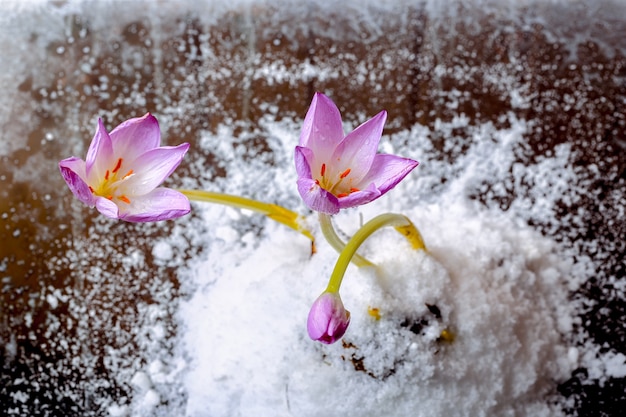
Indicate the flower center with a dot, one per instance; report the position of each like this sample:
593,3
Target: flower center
339,188
111,182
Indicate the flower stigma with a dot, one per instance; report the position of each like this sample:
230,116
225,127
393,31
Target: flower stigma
333,187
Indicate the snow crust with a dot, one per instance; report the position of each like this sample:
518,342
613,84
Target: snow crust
500,288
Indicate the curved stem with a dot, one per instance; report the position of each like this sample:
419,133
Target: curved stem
398,221
275,212
335,241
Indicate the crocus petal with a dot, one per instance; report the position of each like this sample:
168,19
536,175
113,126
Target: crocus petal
99,154
313,195
388,170
159,204
136,136
303,158
316,197
73,172
153,167
107,208
357,150
358,198
322,130
348,169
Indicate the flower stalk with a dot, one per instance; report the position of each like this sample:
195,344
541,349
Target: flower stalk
326,225
400,222
275,212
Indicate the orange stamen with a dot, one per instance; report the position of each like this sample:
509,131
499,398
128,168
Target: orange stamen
106,175
91,189
342,195
128,174
109,197
345,173
117,167
354,190
124,199
323,169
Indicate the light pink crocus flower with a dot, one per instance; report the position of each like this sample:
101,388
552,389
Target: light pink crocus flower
123,170
328,319
337,171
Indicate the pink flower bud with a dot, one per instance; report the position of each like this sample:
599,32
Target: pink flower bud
328,319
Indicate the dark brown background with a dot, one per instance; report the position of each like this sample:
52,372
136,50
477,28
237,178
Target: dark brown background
195,73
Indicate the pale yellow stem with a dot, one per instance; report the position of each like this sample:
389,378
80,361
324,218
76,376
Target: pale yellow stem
400,222
326,225
275,212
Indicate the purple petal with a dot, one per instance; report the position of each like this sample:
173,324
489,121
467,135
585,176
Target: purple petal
316,197
328,320
73,172
322,130
107,208
358,198
136,136
387,171
359,147
153,167
99,154
303,158
159,204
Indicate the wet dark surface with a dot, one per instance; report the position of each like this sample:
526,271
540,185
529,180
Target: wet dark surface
60,264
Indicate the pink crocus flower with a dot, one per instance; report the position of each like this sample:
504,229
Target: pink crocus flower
337,171
328,319
123,170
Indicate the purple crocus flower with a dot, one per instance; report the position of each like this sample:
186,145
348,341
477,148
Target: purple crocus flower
328,319
123,170
337,172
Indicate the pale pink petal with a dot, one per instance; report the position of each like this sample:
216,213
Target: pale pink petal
99,154
303,158
358,149
159,204
107,207
73,172
358,198
351,168
328,320
317,198
387,171
136,136
322,130
153,167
